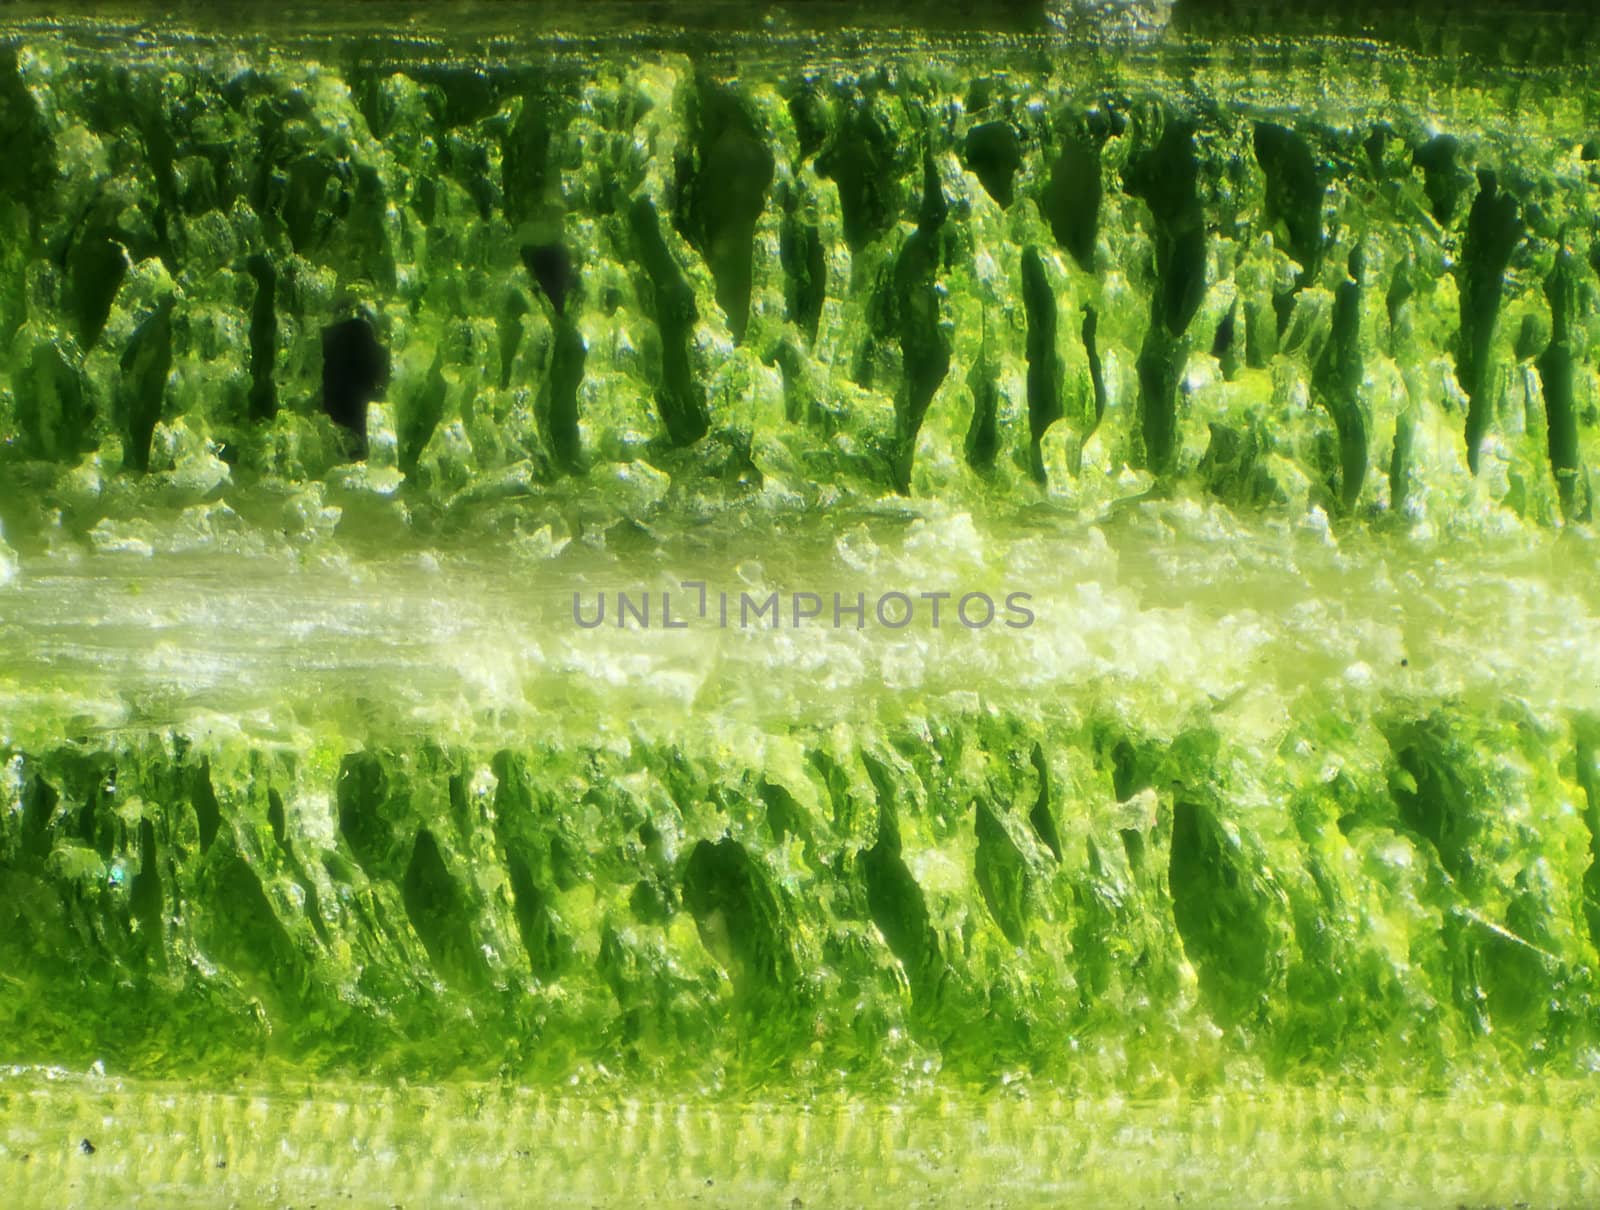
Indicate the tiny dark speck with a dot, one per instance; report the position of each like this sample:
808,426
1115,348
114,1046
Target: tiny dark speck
86,1147
709,1181
1405,663
222,1163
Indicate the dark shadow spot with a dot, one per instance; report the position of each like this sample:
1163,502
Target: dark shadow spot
924,341
142,388
547,949
1071,200
277,819
865,162
1557,366
1002,875
1494,229
552,267
361,790
1044,361
680,398
738,917
439,912
1043,821
1091,349
1133,846
994,153
355,371
722,192
983,433
805,271
1220,921
208,813
96,265
1443,178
